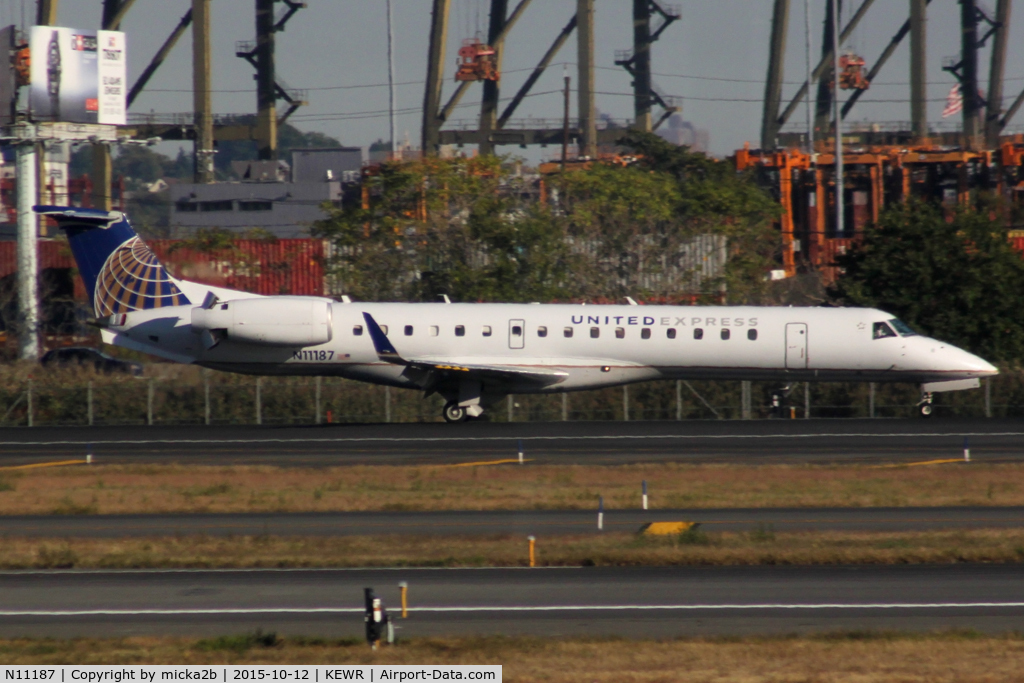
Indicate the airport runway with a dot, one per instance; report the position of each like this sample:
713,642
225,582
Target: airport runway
597,443
632,602
538,523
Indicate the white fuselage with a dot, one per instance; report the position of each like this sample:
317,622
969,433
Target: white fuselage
594,346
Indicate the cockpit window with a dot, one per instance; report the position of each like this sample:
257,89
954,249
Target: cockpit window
881,331
904,329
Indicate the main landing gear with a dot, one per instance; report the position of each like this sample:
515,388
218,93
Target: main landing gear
453,412
924,408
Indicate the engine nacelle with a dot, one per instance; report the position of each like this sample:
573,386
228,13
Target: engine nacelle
273,321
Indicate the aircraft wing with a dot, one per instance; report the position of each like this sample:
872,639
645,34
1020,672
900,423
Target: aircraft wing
433,370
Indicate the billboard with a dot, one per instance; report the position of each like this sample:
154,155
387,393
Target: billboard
77,75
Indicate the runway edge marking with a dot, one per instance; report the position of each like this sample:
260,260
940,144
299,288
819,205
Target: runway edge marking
507,608
449,439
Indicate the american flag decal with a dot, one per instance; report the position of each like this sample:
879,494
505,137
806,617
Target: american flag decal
132,279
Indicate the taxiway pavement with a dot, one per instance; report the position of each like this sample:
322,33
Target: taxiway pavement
594,443
474,523
632,602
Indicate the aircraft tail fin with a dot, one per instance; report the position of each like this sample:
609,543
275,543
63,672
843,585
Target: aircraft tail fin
120,272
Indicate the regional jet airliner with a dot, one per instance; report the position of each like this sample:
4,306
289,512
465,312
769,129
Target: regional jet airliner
474,355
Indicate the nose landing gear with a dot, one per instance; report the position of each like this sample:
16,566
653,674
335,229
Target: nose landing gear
924,408
453,412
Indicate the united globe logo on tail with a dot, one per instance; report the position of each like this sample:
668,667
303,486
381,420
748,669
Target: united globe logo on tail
132,279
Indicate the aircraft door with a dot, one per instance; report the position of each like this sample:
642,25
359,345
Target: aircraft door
516,334
796,346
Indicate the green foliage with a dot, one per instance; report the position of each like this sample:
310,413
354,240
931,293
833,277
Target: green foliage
477,230
958,280
714,199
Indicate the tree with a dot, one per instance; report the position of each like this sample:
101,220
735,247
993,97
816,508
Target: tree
715,200
462,227
958,280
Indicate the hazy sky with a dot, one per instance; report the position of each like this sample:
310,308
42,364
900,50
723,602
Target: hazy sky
715,58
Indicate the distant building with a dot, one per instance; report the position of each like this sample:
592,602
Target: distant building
273,196
680,132
326,163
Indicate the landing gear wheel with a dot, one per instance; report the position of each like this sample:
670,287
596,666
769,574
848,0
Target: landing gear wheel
925,409
453,412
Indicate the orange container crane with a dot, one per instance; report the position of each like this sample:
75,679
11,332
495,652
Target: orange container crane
477,62
851,74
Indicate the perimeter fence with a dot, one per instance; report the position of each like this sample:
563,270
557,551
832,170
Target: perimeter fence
182,395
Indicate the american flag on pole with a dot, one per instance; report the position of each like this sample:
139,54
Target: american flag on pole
954,102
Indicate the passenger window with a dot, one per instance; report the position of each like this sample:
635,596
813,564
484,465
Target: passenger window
620,333
357,330
881,331
595,332
384,329
645,333
567,332
487,330
460,330
434,331
698,333
752,335
671,333
725,334
408,330
542,331
517,331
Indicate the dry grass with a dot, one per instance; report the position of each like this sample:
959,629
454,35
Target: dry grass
611,549
961,657
108,489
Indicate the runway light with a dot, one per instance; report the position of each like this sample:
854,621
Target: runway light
533,557
967,450
600,513
404,588
644,489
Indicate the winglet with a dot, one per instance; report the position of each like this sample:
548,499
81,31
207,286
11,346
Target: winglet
385,351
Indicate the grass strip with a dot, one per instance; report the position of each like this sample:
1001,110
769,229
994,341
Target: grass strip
692,548
134,489
844,657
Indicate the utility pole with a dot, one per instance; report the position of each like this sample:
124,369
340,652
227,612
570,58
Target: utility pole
807,57
565,122
839,168
969,72
823,112
489,103
29,163
918,69
201,84
435,78
391,84
996,71
642,65
28,285
773,83
585,61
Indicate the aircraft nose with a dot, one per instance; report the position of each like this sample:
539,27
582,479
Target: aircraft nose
965,361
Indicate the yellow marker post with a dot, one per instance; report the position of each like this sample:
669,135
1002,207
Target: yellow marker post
404,587
533,543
